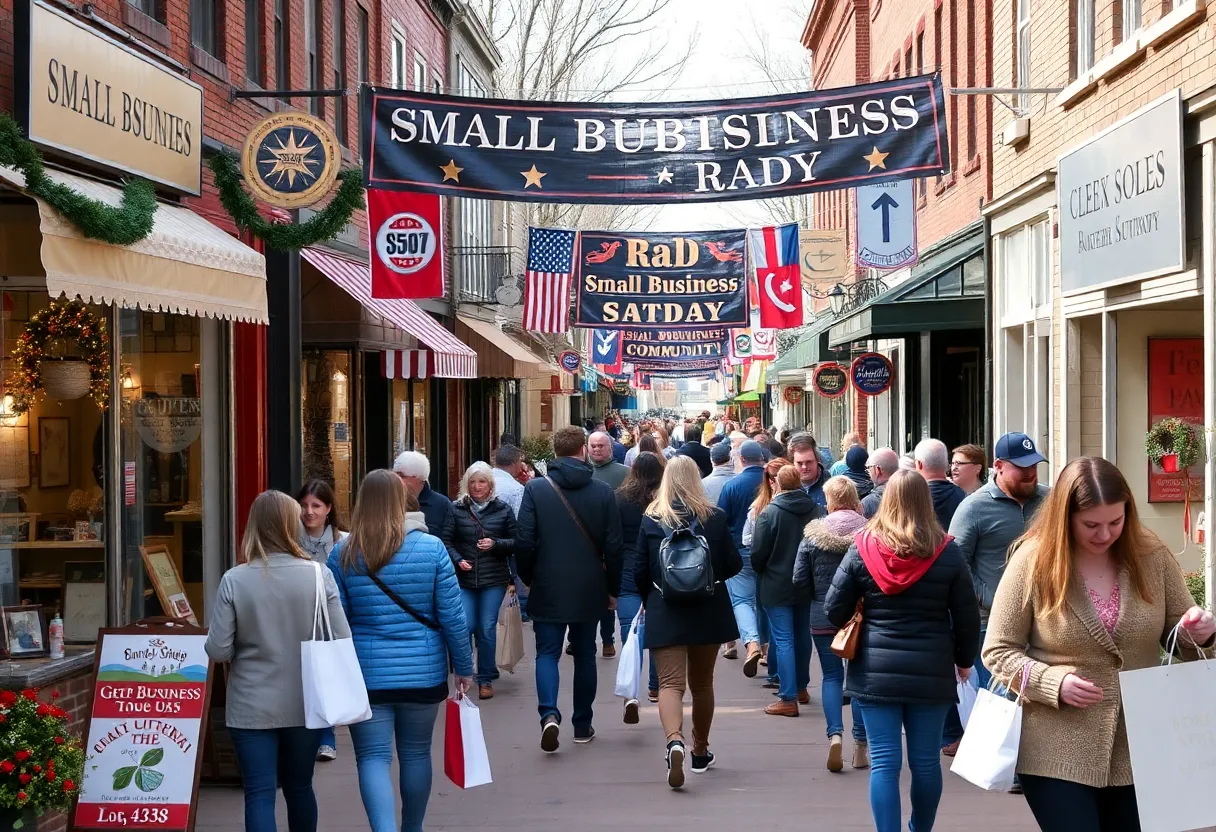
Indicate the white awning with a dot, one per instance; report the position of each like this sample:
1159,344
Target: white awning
186,265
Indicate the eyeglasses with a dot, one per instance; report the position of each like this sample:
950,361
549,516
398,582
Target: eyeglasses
959,462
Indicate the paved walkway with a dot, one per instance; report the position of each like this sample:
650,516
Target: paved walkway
770,774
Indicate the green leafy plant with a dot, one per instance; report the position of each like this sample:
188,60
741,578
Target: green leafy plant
1197,584
537,448
40,761
1173,436
123,225
146,777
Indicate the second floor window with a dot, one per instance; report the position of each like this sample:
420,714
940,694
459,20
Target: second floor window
312,54
339,70
253,41
1084,58
419,73
152,8
1023,52
1133,16
204,26
397,65
363,56
282,61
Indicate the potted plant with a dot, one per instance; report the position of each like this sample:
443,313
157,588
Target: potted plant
41,763
1173,444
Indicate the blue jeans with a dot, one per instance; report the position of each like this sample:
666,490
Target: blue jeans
411,725
627,608
791,647
742,589
832,691
481,613
922,724
549,643
275,758
327,738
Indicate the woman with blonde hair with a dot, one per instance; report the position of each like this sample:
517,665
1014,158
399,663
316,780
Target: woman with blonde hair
399,590
1088,593
920,634
263,611
684,635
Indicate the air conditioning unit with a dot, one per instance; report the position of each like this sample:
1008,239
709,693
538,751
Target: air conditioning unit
1015,132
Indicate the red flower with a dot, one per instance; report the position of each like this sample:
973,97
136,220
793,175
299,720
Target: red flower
44,709
25,778
30,694
21,795
7,698
54,694
68,785
37,769
3,718
22,756
58,740
7,767
50,777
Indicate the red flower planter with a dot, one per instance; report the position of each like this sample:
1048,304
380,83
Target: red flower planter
1169,463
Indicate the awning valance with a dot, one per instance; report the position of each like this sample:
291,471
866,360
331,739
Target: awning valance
499,354
186,265
451,359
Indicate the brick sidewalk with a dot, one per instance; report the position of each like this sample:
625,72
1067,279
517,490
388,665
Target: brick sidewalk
770,774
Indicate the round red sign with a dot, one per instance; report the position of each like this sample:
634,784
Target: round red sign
793,395
831,380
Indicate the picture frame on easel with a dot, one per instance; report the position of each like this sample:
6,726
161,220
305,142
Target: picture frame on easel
167,581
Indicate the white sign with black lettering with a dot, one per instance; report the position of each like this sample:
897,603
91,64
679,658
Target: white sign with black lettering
1121,201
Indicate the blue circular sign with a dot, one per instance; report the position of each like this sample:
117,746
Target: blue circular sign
872,373
570,361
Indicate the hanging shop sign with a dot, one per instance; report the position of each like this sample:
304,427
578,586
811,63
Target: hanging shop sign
606,347
656,152
673,346
620,388
630,280
89,97
150,698
407,232
169,424
886,226
1175,389
793,395
825,257
291,159
872,373
830,380
570,361
1121,201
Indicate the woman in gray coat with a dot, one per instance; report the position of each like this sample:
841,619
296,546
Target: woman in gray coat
263,611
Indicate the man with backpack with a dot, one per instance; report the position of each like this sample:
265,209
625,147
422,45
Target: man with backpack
570,553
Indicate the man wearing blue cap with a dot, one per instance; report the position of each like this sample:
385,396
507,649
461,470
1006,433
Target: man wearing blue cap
736,498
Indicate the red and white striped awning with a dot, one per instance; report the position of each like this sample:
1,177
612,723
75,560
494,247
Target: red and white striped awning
448,357
406,363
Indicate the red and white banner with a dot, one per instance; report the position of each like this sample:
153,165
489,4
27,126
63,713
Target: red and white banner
778,275
406,364
407,244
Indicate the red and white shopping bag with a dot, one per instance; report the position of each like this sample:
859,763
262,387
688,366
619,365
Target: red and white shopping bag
465,761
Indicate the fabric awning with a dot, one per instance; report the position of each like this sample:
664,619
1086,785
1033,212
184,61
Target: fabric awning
186,265
452,359
500,355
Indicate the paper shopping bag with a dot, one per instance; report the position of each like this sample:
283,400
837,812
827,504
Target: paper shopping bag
510,647
967,690
334,692
988,753
629,667
465,760
1170,713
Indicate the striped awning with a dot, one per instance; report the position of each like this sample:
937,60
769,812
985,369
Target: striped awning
406,364
449,357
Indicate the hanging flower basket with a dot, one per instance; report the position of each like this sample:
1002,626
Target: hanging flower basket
65,379
61,377
1173,445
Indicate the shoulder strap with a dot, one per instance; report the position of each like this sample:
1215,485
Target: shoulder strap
574,516
401,602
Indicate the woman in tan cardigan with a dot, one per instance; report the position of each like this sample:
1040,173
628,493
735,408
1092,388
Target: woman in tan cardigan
1088,592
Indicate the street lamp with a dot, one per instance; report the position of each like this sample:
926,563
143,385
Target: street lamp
836,299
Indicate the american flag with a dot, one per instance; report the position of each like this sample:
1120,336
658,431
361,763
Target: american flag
547,282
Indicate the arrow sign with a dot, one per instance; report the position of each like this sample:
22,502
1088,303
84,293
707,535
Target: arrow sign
884,203
886,225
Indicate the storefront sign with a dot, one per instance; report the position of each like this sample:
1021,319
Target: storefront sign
1175,388
886,226
830,380
872,373
291,159
169,424
570,361
631,280
146,729
825,257
793,395
1121,201
94,99
635,153
407,233
673,346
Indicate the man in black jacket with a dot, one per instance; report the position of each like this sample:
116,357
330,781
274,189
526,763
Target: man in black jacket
694,450
572,564
414,469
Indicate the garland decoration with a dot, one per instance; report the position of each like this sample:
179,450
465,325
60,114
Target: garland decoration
123,225
1173,436
73,322
324,225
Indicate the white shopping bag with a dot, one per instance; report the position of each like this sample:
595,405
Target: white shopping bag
334,692
967,690
509,649
629,668
1170,713
465,760
988,753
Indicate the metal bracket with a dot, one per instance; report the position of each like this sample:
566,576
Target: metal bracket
1018,112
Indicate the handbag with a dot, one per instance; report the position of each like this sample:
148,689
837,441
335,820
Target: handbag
334,691
577,521
988,752
844,643
465,760
509,648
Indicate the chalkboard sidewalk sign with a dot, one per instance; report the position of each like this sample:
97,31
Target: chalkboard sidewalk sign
146,728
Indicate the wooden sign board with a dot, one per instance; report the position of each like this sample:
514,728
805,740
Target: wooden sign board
143,752
84,601
158,561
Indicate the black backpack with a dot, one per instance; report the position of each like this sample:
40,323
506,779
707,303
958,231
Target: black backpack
687,574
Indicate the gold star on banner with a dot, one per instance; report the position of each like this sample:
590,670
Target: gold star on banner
664,176
877,159
532,176
450,171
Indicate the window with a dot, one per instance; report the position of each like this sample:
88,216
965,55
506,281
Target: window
397,68
363,57
340,104
1026,273
204,26
419,72
1022,70
437,86
908,63
1133,16
1084,58
972,110
282,62
312,54
952,100
151,8
253,41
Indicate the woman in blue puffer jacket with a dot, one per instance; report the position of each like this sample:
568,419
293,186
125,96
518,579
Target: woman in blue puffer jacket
399,591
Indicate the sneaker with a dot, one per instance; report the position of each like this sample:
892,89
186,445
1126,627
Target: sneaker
861,755
730,651
835,753
485,692
771,686
631,712
782,708
609,650
585,738
652,695
700,764
675,764
327,753
548,735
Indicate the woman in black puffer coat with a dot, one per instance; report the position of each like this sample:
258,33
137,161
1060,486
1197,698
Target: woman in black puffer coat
484,538
632,498
921,629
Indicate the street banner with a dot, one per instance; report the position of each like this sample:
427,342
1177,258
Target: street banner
683,368
658,152
407,244
547,279
825,257
886,226
606,350
675,346
740,351
778,275
764,341
628,280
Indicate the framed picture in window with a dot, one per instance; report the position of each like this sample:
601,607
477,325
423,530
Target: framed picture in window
24,632
54,452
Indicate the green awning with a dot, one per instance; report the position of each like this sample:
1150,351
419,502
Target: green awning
945,292
746,397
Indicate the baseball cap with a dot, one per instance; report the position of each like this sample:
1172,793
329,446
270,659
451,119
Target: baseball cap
1019,449
750,451
719,454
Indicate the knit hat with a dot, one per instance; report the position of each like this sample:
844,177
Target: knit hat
719,454
856,458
